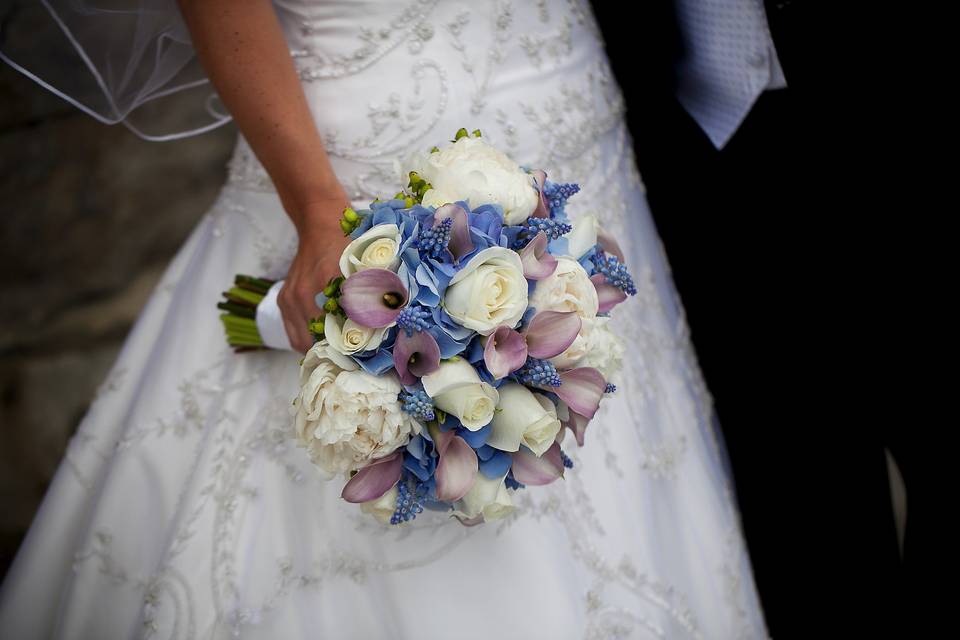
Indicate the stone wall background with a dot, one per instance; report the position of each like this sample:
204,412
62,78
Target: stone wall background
91,215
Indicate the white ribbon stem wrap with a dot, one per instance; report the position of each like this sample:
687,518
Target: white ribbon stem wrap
270,320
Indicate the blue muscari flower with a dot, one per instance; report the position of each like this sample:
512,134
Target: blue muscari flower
538,372
486,230
610,388
411,494
615,272
557,194
418,404
414,318
567,462
433,241
529,230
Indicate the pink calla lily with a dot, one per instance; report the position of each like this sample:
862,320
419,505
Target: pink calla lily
505,352
530,470
373,297
609,295
374,480
609,244
469,522
537,262
543,209
548,334
577,424
415,356
551,332
458,466
460,241
581,389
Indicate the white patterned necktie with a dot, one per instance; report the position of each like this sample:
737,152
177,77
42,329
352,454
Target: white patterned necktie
730,59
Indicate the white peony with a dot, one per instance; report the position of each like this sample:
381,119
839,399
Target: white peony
457,389
382,508
568,289
487,497
346,417
347,337
377,248
472,170
523,417
595,346
490,291
604,350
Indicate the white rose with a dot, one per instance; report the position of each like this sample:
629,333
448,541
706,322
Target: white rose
457,389
347,337
487,497
490,291
595,346
523,417
382,508
376,248
583,237
568,289
346,417
472,170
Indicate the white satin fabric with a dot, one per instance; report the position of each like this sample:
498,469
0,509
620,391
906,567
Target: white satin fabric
269,319
183,508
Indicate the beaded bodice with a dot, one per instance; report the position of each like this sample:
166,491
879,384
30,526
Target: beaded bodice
386,78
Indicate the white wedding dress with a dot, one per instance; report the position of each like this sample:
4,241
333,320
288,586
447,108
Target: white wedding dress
183,508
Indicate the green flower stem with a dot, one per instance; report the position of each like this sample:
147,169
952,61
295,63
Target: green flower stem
245,337
232,324
244,343
238,310
240,301
260,285
241,331
240,322
243,294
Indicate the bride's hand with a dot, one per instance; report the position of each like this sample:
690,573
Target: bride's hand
321,241
247,58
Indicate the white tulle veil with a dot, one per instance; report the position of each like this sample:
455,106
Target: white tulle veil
121,61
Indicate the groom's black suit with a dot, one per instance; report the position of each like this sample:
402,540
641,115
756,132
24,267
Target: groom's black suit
764,241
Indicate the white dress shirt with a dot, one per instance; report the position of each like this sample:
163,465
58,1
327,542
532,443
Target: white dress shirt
730,59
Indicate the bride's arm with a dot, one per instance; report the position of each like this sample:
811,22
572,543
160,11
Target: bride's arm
244,52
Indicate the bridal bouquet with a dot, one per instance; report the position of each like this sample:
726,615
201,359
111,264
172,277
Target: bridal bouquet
467,332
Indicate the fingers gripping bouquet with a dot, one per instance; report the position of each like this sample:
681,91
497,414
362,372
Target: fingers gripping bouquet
467,332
